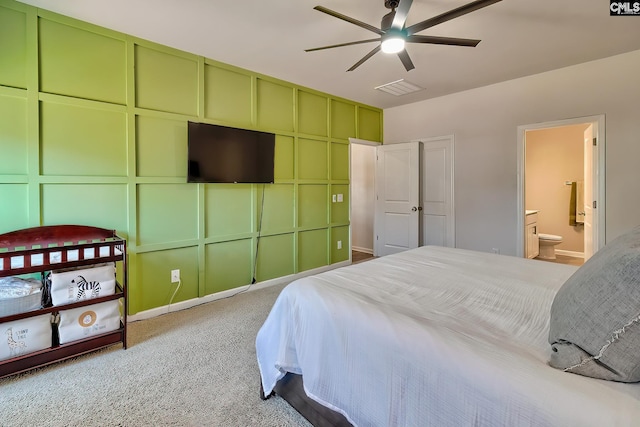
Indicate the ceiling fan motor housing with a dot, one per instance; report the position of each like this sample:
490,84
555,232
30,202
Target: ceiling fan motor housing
391,4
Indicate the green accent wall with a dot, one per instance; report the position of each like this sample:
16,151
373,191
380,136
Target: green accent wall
93,130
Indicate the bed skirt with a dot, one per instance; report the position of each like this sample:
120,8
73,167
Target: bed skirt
291,389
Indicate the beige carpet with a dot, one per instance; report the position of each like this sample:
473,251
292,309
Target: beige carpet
196,367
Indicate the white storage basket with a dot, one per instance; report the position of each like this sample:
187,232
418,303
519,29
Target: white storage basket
83,322
20,304
25,336
77,285
18,295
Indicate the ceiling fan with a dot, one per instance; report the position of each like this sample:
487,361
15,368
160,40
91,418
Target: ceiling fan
393,33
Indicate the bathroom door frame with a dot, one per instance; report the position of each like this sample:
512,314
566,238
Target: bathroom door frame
598,175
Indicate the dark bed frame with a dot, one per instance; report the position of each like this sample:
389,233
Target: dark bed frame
291,389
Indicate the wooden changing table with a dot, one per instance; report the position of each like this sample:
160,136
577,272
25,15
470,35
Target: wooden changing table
46,248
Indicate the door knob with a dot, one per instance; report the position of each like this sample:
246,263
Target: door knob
413,209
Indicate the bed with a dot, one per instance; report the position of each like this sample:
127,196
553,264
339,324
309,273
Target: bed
434,337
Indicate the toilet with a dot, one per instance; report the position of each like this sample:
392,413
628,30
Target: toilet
547,245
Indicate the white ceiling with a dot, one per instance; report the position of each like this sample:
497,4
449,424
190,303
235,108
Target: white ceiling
519,38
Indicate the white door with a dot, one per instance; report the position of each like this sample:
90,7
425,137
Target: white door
438,222
588,192
397,198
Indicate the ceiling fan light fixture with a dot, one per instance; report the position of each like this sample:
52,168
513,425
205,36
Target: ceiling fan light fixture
394,33
393,44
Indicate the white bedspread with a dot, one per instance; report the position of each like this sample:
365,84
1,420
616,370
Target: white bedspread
435,337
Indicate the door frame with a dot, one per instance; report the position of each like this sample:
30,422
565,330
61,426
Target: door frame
598,177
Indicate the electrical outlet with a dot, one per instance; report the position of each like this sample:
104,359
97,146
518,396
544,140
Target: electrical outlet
340,199
175,276
339,244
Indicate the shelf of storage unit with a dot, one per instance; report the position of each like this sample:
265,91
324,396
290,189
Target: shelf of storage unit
76,246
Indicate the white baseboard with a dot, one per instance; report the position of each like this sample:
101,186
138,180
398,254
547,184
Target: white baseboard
158,311
570,253
365,250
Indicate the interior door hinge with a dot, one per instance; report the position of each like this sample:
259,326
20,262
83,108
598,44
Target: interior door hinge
376,237
595,204
595,142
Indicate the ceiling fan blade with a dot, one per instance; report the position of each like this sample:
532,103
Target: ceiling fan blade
406,61
349,19
451,41
342,44
367,56
401,14
447,16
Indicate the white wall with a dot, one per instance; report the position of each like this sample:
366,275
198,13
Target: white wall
363,160
485,120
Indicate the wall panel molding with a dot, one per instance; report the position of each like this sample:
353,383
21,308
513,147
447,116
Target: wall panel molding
95,128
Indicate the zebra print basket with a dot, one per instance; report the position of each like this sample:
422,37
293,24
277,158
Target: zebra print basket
76,285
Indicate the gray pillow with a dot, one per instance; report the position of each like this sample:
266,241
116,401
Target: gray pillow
595,316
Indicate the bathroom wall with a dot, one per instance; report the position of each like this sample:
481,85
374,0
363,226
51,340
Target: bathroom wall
554,156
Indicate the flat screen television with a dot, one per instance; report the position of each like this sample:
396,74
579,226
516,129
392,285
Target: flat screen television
221,154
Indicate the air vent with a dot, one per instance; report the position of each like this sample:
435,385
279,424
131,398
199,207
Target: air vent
399,87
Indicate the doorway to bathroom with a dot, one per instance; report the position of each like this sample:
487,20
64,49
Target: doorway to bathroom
362,160
561,187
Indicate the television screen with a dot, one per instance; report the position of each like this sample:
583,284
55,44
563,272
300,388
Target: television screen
228,155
